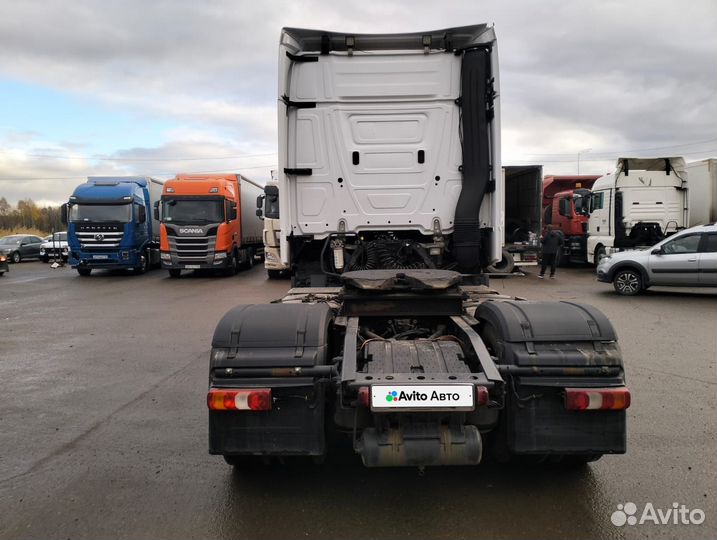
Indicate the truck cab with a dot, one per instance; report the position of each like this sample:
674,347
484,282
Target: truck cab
204,223
110,226
638,205
268,207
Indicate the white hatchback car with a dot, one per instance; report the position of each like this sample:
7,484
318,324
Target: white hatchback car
687,258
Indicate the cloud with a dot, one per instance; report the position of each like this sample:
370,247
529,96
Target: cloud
606,75
31,171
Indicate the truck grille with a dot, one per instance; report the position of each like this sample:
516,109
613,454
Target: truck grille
192,249
97,236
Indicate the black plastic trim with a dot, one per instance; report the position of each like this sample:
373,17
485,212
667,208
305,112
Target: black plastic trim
299,59
299,172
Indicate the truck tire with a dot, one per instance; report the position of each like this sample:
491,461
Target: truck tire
241,461
174,273
143,264
600,254
505,265
84,271
274,274
233,266
16,257
627,282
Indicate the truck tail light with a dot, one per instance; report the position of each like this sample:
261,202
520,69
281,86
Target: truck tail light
364,396
255,399
481,395
590,399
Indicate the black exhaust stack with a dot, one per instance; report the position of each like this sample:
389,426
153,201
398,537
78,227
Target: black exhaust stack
476,102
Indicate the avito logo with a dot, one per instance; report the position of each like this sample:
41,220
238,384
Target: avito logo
627,514
414,396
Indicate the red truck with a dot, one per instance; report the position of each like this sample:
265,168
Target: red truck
565,207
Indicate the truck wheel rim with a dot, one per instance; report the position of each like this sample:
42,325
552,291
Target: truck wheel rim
628,283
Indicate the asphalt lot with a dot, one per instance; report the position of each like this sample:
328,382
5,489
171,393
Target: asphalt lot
103,425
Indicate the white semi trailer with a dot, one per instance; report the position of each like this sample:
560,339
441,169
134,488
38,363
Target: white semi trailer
390,183
646,199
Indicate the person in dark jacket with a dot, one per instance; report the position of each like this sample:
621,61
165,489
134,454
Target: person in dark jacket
552,244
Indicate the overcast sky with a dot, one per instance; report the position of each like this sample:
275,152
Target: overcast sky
159,87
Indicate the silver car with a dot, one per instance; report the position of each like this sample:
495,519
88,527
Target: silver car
687,258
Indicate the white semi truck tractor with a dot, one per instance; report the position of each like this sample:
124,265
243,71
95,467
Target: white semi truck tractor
389,182
646,199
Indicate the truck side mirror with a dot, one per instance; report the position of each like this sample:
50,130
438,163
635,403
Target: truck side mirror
260,201
156,211
232,212
63,214
259,213
142,214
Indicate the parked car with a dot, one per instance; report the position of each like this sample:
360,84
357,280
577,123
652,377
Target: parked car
20,246
687,258
54,247
4,267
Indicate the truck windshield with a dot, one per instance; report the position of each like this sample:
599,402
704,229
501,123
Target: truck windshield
121,213
581,204
193,211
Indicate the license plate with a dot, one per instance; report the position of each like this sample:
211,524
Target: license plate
191,266
430,396
100,256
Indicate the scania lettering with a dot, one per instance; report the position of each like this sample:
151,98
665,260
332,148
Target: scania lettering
391,209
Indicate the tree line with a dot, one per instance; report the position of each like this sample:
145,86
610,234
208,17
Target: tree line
28,215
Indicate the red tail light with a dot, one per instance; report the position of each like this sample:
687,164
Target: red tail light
481,395
590,399
255,399
364,396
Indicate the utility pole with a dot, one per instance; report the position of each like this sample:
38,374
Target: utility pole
584,151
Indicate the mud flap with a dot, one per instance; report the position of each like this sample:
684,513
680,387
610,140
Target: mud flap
281,347
543,348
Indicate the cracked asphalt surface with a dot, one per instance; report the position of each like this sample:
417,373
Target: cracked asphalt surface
103,430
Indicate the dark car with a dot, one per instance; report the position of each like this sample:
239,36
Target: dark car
20,246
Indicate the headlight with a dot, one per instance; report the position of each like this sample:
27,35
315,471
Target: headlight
165,256
3,258
42,251
220,255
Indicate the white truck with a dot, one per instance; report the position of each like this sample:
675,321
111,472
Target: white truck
268,209
390,190
645,200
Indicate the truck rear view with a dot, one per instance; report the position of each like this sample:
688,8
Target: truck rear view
390,189
209,222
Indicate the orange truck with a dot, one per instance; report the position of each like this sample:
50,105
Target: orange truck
209,221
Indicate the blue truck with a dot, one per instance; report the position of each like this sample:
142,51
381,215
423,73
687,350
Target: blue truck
110,224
